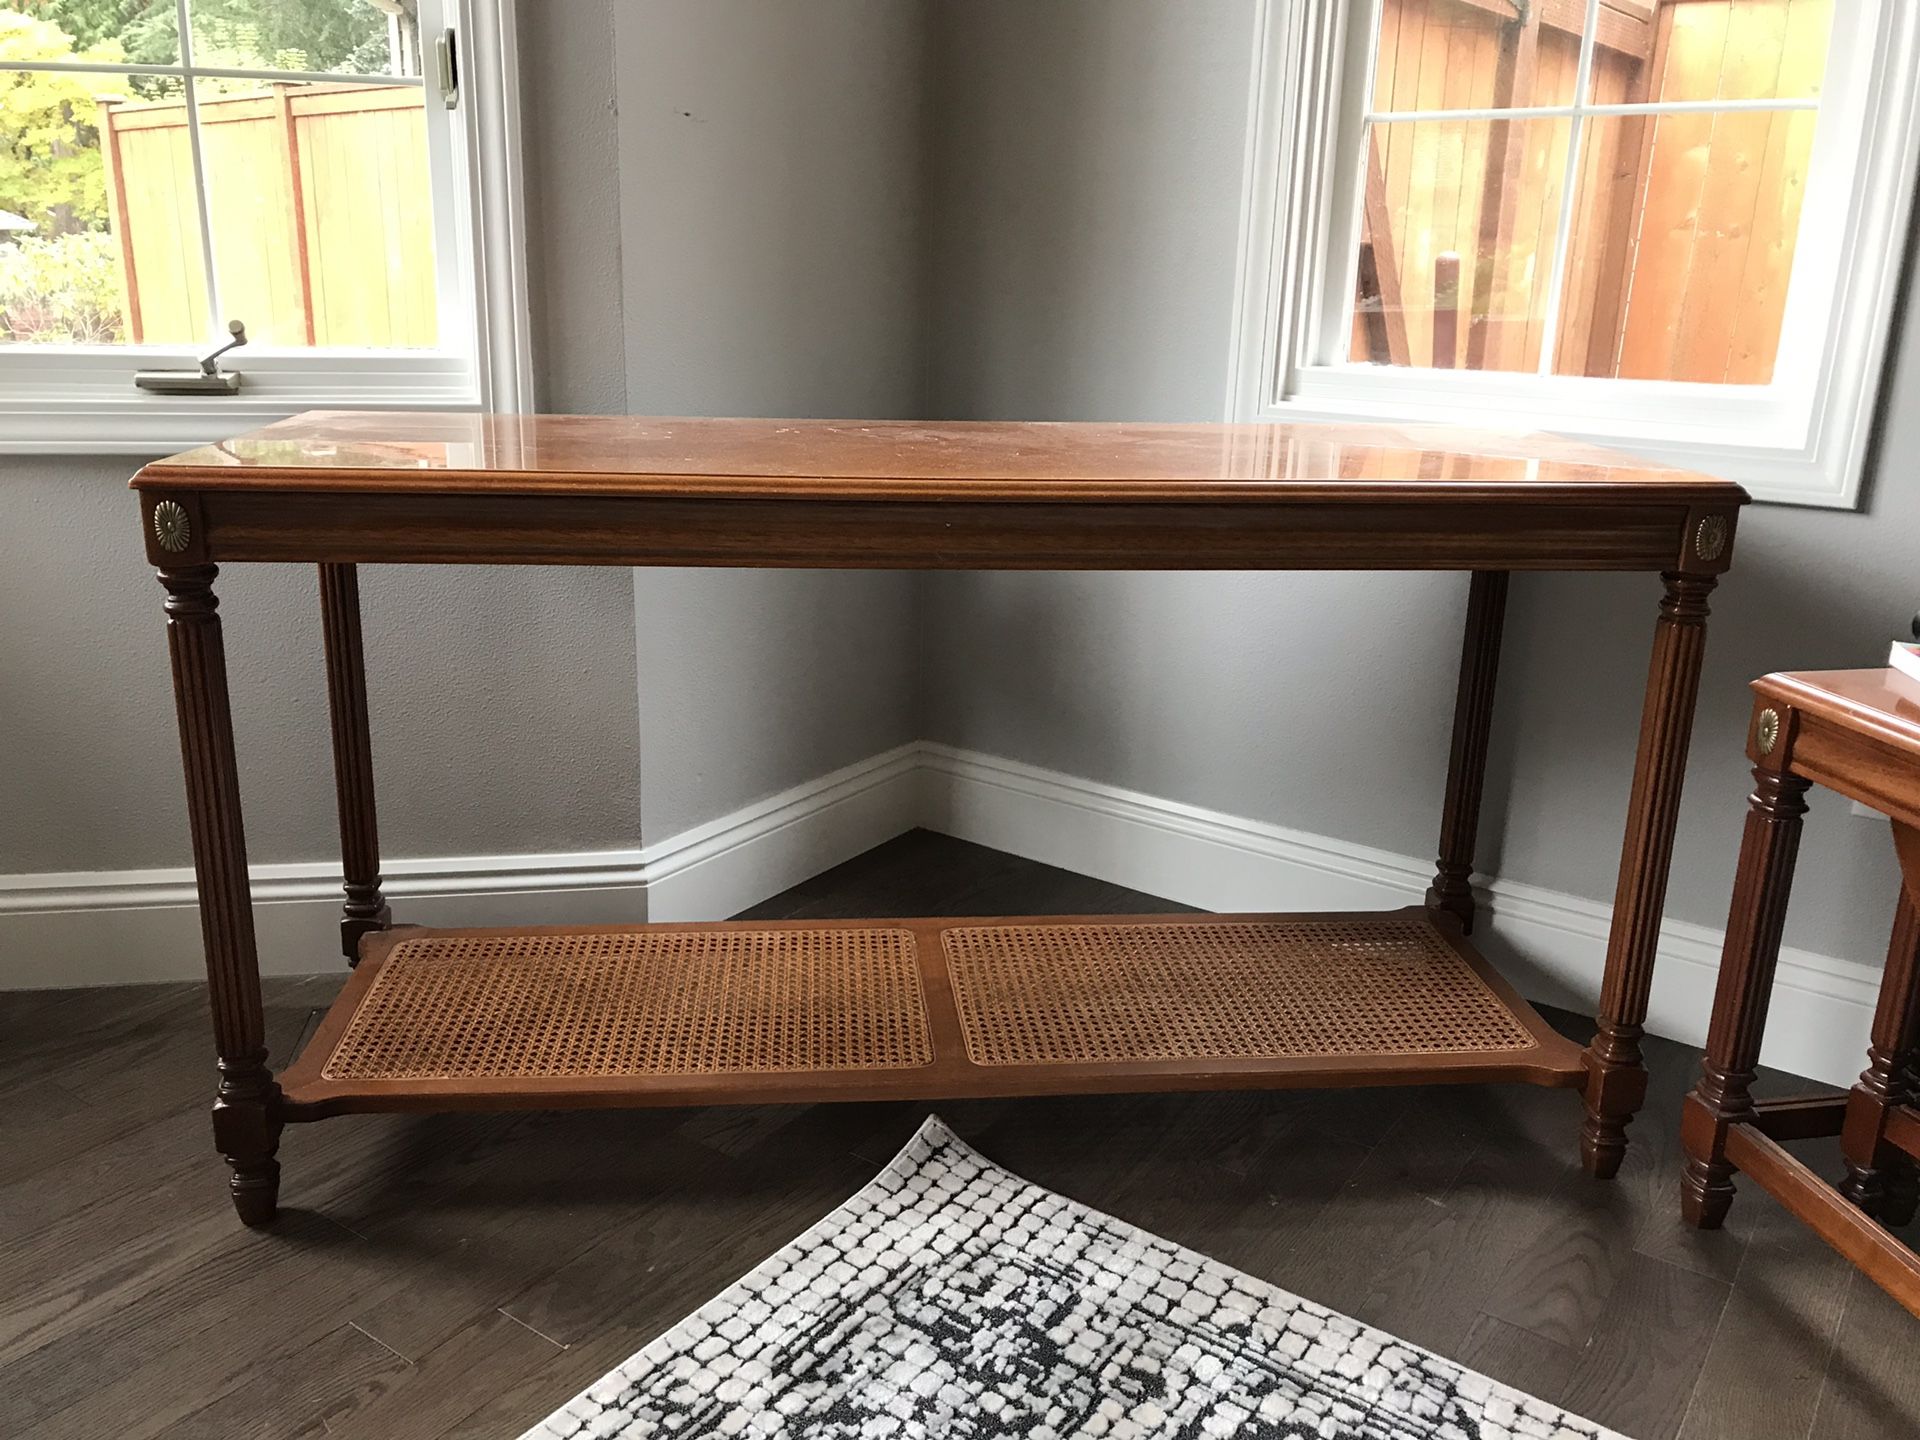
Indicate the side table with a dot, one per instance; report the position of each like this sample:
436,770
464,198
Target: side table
1856,732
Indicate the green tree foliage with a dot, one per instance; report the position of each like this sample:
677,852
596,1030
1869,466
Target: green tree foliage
145,30
50,168
293,34
343,35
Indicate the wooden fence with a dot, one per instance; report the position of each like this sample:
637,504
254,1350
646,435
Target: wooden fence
1683,225
320,206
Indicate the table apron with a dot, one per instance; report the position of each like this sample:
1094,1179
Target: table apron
1854,763
811,533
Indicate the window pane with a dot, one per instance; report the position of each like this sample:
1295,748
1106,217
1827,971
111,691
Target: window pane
139,32
1446,55
1683,242
1723,50
1457,234
345,37
79,173
322,212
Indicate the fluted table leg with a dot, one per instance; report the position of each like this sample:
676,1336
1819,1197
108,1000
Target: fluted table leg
1880,1179
1616,1075
1761,887
246,1118
1452,888
365,908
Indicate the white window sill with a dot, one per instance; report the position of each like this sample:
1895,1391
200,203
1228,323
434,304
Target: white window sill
1687,427
64,403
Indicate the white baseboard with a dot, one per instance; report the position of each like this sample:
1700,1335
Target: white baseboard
720,868
116,927
126,926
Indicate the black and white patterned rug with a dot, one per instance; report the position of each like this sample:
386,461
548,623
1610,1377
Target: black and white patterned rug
951,1298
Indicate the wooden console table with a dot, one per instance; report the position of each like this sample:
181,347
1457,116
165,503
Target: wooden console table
683,1014
1857,732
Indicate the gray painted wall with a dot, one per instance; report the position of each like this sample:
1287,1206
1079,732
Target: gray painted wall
771,202
501,700
570,101
1085,206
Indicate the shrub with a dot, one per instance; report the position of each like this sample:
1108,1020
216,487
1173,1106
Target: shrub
61,290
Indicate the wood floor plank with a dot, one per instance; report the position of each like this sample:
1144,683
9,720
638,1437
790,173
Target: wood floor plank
423,1400
1762,1374
1256,1213
1871,1390
605,1165
1562,1278
38,1036
95,1174
682,1249
290,1395
509,1409
1426,1279
1518,1357
146,1364
132,1236
1638,1371
169,1347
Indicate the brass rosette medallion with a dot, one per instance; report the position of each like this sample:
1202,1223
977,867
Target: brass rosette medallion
1710,537
171,529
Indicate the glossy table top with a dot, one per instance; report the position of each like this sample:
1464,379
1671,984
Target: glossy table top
1883,702
463,453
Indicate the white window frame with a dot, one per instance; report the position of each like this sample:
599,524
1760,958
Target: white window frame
1801,440
70,399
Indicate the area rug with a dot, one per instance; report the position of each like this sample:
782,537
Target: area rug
950,1298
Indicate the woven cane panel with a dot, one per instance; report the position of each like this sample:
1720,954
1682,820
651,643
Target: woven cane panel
702,1002
1063,994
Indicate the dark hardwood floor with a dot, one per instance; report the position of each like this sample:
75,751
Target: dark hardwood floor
462,1276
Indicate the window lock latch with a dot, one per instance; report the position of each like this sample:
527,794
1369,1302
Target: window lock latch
209,379
446,68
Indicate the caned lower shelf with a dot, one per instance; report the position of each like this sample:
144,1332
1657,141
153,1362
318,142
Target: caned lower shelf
745,1012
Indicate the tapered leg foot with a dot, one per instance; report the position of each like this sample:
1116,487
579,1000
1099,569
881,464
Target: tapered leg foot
1706,1193
1603,1145
1616,1089
246,1130
1865,1188
256,1192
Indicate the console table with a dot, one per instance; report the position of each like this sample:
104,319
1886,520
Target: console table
686,1014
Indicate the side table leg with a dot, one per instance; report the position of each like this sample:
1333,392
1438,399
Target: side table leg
1880,1180
365,909
1616,1076
1452,889
1760,889
246,1106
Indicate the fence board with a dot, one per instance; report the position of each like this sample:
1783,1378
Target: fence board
1684,226
321,208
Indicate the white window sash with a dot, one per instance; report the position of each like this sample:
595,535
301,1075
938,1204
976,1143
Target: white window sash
1802,439
58,399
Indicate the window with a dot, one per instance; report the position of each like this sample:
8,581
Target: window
337,176
1669,225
